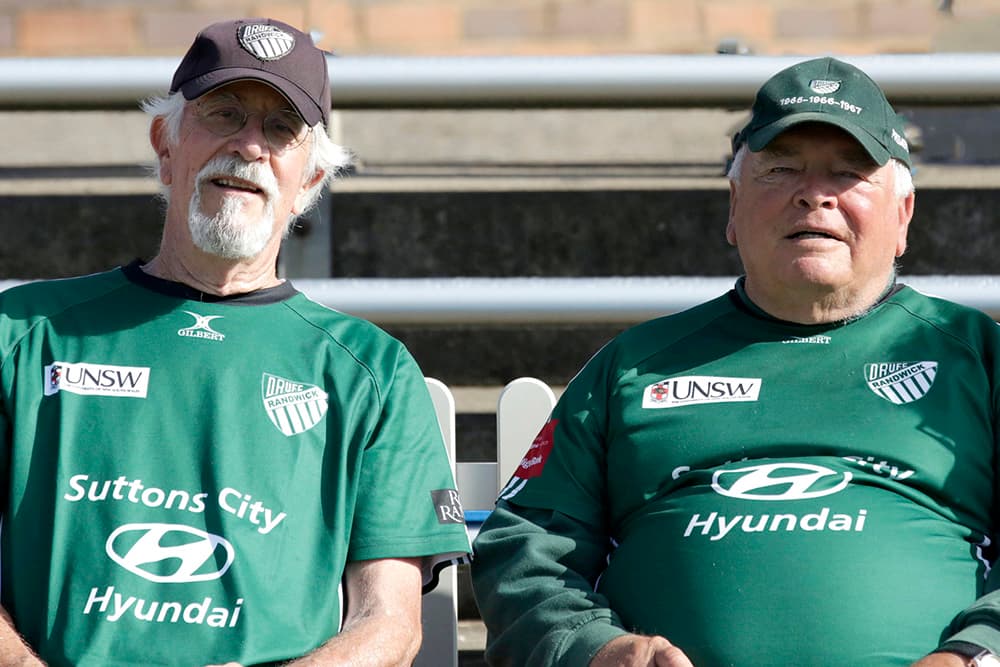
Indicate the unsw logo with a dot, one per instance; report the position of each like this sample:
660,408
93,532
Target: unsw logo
699,389
901,382
95,379
293,407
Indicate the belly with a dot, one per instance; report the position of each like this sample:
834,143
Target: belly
862,577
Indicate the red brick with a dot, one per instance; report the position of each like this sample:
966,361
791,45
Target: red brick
504,22
590,19
818,23
6,34
69,32
292,13
338,23
173,32
666,26
401,26
901,17
750,23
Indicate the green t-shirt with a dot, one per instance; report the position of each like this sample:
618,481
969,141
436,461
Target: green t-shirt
781,494
185,478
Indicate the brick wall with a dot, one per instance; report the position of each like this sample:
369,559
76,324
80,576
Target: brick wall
511,27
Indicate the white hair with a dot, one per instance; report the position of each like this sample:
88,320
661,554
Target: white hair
324,155
903,180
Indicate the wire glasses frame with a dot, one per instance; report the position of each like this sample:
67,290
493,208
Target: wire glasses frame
223,116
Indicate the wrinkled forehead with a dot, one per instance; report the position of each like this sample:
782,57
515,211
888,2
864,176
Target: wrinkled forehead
821,138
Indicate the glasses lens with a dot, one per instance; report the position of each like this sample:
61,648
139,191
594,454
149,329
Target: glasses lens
223,118
284,129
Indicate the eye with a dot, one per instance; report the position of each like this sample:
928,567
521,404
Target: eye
285,126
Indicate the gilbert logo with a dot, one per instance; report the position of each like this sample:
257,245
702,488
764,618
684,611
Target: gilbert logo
169,553
779,481
824,86
699,389
202,327
293,407
901,382
265,42
96,379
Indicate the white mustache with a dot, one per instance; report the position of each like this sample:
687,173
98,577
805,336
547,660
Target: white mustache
254,172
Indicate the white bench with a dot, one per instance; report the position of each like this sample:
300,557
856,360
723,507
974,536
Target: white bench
522,408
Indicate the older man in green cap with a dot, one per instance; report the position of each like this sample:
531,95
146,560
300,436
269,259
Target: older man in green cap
801,471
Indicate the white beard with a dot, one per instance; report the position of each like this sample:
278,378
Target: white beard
228,233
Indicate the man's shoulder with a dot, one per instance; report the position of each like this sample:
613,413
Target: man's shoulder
665,331
44,298
937,310
365,341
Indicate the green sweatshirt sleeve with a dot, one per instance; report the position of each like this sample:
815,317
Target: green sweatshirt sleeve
533,575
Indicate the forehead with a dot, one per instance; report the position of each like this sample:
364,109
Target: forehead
819,138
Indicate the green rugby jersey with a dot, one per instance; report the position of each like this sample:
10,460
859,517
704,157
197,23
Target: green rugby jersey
773,493
185,478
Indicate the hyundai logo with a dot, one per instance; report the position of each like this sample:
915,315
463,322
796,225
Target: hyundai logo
780,481
170,553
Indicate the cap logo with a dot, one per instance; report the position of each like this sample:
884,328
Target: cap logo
824,87
900,140
265,42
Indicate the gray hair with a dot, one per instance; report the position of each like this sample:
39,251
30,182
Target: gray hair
324,154
903,181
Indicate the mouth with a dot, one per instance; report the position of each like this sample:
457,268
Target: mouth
230,183
811,234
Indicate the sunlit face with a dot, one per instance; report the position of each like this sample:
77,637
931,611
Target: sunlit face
813,214
235,193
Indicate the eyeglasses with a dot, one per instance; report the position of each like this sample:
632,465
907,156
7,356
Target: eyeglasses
283,129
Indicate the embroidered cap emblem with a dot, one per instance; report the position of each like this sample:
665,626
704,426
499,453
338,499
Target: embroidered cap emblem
824,87
293,407
265,42
901,382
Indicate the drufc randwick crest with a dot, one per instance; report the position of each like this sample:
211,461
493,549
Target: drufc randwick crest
293,407
901,382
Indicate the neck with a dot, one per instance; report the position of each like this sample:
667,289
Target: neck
818,305
215,275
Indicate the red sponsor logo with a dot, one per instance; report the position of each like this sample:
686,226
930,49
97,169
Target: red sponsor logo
533,462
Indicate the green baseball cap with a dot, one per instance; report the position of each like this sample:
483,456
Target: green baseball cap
826,90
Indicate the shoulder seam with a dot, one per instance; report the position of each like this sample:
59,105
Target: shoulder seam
378,389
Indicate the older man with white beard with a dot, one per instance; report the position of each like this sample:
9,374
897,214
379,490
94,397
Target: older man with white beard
198,464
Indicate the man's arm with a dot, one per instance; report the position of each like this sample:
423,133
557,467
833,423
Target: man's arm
382,623
533,574
14,651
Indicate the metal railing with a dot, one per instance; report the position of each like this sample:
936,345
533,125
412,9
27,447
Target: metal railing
619,300
610,81
570,81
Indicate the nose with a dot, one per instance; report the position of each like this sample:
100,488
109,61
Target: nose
249,142
815,192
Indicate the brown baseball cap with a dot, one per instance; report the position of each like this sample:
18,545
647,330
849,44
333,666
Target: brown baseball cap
262,50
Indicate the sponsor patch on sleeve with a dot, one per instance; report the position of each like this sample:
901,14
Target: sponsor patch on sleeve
447,506
533,462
